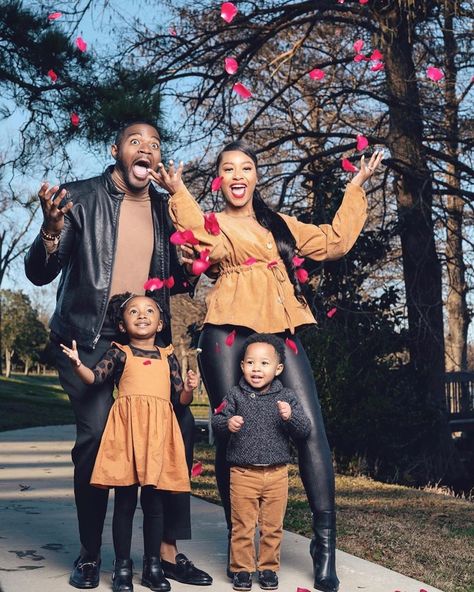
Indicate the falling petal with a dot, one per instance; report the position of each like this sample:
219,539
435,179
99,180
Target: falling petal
185,236
317,74
302,589
172,31
147,362
363,1
75,119
297,261
348,166
376,56
272,264
216,184
362,142
211,224
81,44
222,406
359,57
197,469
54,16
185,285
250,261
230,65
331,313
229,340
52,74
169,282
228,11
358,45
292,345
153,284
302,275
202,264
434,74
241,90
378,66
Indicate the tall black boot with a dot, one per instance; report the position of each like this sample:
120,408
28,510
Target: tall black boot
153,576
122,576
323,552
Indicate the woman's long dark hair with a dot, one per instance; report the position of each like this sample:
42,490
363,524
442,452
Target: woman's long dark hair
284,239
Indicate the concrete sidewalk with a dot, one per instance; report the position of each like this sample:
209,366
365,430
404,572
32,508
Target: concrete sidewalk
39,541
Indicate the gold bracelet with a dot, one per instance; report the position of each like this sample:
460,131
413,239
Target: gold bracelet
48,236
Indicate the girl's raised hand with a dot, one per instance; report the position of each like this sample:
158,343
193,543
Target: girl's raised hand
191,380
72,353
171,180
367,170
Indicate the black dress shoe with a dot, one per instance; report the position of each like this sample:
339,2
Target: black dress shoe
242,581
185,572
268,579
153,576
85,573
122,576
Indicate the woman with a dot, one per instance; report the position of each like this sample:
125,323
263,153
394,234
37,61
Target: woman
257,289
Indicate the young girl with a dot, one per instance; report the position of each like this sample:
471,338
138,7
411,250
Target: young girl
142,443
255,255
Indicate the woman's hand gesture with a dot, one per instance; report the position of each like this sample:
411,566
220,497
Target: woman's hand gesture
171,180
72,353
52,212
367,170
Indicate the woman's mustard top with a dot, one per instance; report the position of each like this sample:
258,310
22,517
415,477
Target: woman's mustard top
259,294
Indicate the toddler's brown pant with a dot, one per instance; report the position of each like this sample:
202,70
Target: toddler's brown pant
257,495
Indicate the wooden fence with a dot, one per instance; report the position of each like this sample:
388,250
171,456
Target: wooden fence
459,390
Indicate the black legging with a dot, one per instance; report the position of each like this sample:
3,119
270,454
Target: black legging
220,369
151,500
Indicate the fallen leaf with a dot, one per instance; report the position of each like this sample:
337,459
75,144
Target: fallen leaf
230,65
241,90
228,11
348,166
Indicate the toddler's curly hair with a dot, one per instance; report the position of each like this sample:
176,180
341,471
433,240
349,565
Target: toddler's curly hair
269,338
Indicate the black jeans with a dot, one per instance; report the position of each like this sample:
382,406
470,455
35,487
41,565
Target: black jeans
220,369
91,405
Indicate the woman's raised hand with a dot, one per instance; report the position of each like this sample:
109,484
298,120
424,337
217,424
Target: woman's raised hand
53,214
171,180
367,170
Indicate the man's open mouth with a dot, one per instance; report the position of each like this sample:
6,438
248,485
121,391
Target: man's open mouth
140,168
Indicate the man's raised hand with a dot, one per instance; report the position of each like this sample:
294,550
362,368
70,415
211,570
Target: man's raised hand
52,212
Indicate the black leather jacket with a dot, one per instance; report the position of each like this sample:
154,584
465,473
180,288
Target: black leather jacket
85,256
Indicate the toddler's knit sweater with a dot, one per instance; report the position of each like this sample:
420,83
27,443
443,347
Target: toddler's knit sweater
264,436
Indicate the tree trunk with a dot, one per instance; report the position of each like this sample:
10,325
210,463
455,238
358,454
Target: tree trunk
8,362
456,305
27,367
421,266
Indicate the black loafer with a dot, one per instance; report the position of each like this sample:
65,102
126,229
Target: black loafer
268,579
184,571
85,573
242,581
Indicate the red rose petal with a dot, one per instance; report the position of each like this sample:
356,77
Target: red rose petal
54,16
376,56
302,275
197,469
292,345
297,261
331,313
202,264
81,44
242,90
229,340
222,406
147,362
362,142
211,224
75,119
306,589
359,57
434,74
249,261
317,74
228,11
180,237
377,67
216,184
348,166
172,31
230,65
358,45
52,74
272,264
153,284
169,282
363,1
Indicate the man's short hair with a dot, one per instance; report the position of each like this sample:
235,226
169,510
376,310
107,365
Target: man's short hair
276,342
127,124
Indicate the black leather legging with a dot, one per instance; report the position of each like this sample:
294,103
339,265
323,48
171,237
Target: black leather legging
220,369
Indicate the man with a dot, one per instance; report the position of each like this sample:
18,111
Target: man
108,235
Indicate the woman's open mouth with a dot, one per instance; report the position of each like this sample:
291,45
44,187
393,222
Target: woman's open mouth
238,190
